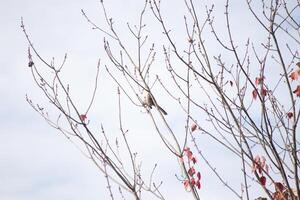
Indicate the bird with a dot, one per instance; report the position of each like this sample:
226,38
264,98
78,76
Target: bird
148,101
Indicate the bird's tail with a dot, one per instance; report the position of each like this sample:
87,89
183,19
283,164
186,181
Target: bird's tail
162,110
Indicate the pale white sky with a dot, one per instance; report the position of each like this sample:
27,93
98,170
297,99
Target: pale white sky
36,162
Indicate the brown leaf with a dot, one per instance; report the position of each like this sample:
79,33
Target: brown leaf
194,127
289,115
295,74
83,117
279,187
264,92
297,91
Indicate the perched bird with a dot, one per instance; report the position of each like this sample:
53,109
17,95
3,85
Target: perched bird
148,101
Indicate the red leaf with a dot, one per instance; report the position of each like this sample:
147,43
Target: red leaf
289,115
191,171
198,176
263,181
297,91
294,75
193,182
186,184
258,80
194,160
256,163
263,92
186,149
254,94
189,154
83,117
298,64
259,169
194,127
279,187
198,184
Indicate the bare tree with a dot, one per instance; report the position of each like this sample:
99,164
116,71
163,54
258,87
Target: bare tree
254,117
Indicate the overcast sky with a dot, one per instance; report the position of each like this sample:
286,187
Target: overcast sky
38,163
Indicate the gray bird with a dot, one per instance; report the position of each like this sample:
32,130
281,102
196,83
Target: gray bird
148,101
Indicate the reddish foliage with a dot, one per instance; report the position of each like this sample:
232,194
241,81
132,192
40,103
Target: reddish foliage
254,94
279,187
289,115
188,153
263,161
280,196
295,74
263,92
263,180
186,184
83,117
298,64
194,127
198,184
258,80
191,171
198,175
194,160
259,164
192,180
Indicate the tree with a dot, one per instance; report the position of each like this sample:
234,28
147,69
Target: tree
244,96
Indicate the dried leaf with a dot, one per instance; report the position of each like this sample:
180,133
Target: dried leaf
198,175
198,184
294,75
297,91
188,153
194,160
194,127
258,80
254,94
193,182
263,180
186,185
279,187
263,92
289,115
191,171
83,117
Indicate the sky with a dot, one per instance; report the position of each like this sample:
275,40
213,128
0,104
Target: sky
36,162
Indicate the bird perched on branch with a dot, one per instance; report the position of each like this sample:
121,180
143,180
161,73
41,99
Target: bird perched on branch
149,102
